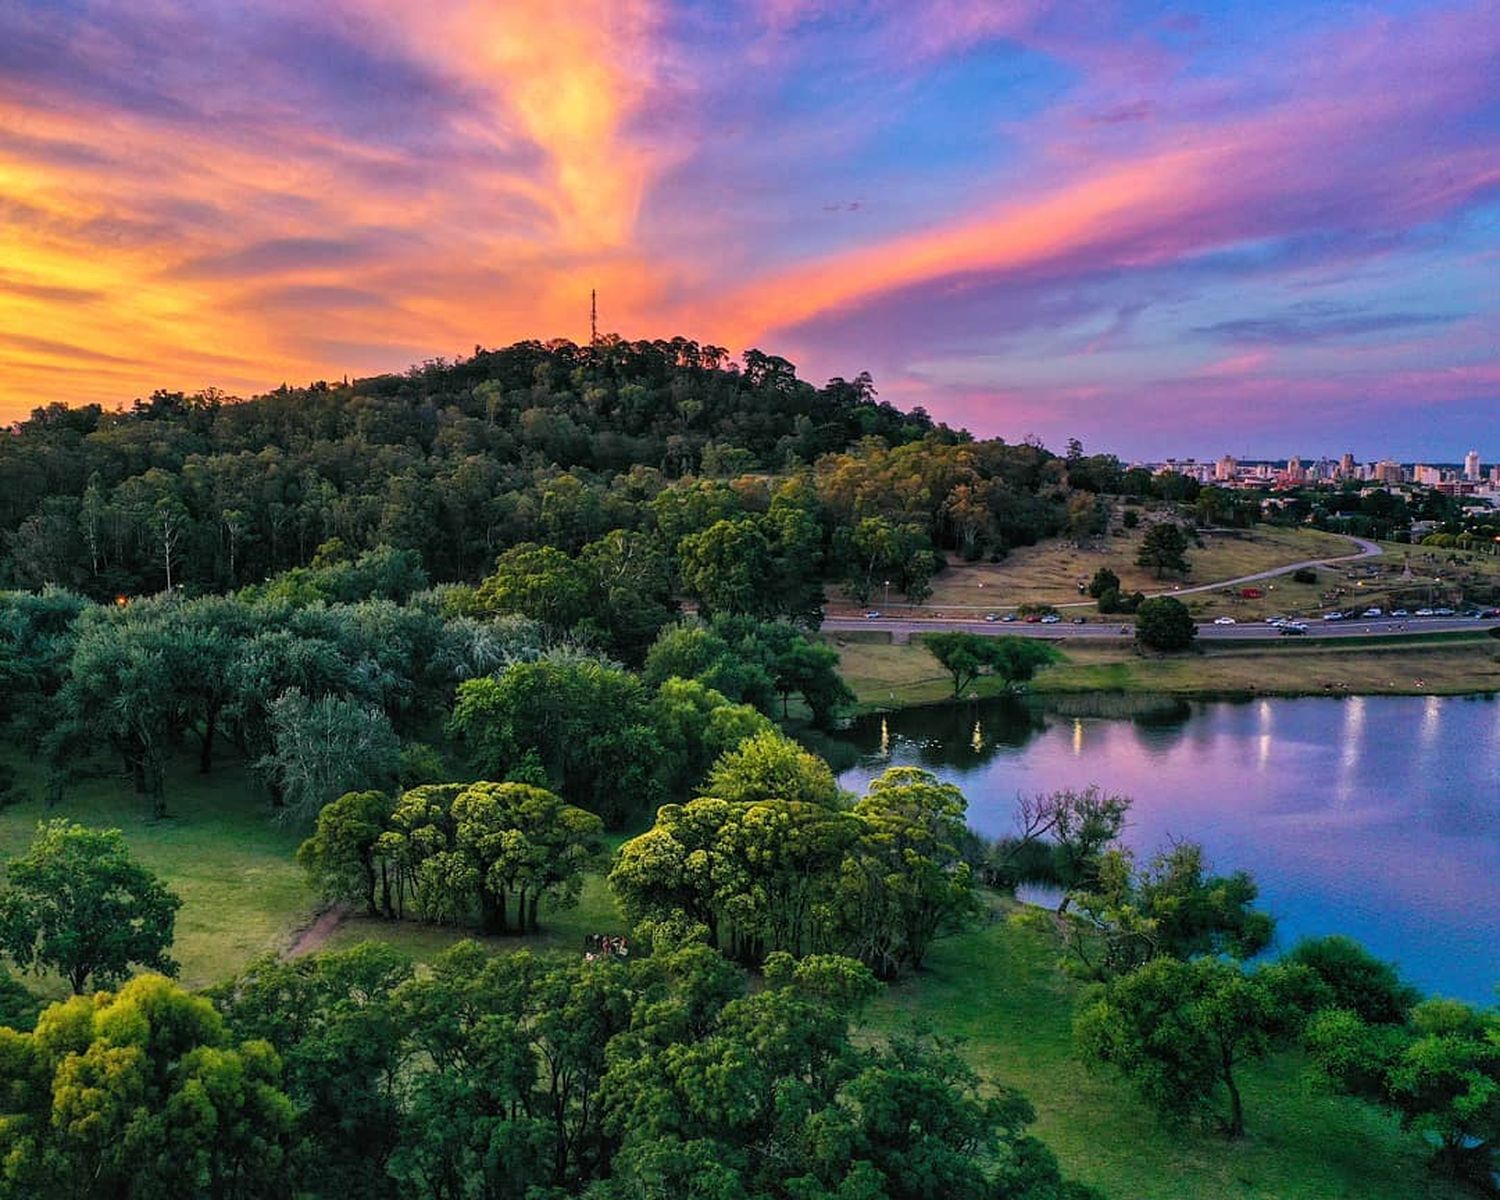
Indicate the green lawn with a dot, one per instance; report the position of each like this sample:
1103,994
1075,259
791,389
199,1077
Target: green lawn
999,989
220,850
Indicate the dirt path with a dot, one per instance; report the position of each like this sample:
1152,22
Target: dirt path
315,936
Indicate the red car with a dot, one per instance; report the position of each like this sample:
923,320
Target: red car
1033,619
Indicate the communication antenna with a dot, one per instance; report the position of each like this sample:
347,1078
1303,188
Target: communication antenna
593,317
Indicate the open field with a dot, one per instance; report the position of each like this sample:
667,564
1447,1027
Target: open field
885,675
1000,990
220,850
1050,571
1434,581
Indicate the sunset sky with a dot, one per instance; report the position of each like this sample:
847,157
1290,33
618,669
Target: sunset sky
1261,228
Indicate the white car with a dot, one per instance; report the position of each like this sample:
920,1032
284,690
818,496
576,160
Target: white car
1373,612
1424,612
872,615
1224,621
1051,619
991,617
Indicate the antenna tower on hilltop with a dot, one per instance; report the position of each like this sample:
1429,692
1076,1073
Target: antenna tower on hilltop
593,317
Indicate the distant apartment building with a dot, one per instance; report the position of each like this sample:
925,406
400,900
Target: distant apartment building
1346,467
1471,466
1387,471
1427,476
1226,469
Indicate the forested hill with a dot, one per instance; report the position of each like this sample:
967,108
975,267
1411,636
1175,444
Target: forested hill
451,458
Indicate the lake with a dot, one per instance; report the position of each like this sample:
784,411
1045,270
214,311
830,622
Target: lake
1376,817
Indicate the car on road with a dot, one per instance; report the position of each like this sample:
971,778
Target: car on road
872,615
1033,619
1293,629
1399,612
1009,617
1424,612
1051,619
991,617
1276,620
1080,620
1333,616
1490,614
1224,621
1372,611
1442,612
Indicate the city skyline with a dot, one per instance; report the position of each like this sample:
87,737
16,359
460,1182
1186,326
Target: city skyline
1215,226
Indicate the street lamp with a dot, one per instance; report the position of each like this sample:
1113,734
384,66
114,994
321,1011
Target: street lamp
887,602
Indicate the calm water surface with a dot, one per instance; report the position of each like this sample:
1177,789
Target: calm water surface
1377,817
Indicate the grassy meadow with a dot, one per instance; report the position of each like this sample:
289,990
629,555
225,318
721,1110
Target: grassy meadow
884,675
1049,572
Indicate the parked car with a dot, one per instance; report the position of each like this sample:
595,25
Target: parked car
1490,614
1424,612
1080,620
1224,621
1033,619
991,617
1373,611
1399,612
1333,616
1008,617
1051,619
872,615
1277,620
1442,612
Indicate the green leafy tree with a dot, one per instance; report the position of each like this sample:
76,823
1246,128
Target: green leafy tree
342,856
322,748
540,582
78,904
141,1093
1356,979
1439,1072
726,567
967,656
1173,907
905,881
1178,1031
489,849
1104,580
1164,549
588,723
1162,623
771,766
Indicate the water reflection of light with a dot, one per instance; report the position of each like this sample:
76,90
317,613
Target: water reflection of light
1432,714
885,737
1263,742
1077,736
1350,748
976,739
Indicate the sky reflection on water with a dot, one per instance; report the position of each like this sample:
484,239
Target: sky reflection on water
1378,817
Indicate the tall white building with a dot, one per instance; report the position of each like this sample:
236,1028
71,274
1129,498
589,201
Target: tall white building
1471,465
1225,469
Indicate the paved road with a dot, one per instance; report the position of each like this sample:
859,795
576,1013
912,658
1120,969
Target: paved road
1247,631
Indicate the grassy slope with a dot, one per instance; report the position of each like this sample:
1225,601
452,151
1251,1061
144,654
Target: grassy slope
999,988
1049,572
885,675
